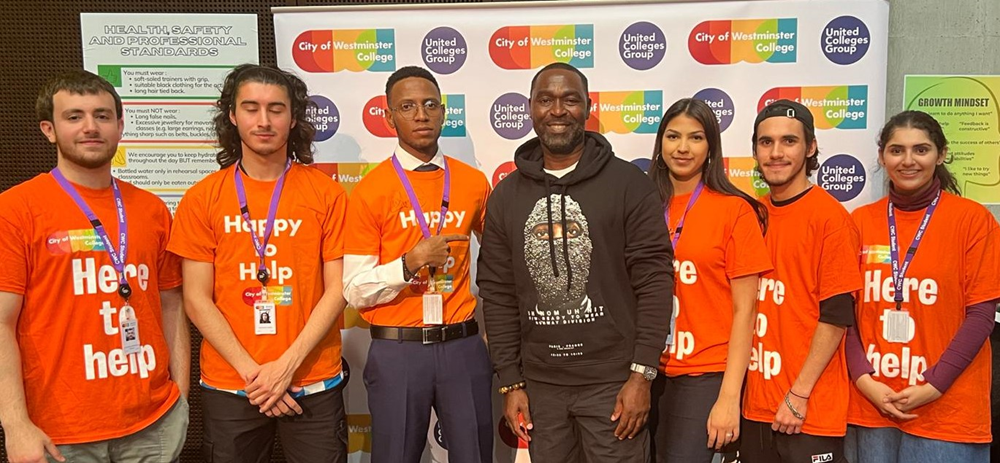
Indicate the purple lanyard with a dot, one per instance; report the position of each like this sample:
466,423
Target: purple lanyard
446,195
899,273
260,246
117,258
680,226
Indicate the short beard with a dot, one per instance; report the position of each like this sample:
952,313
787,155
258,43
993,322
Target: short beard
562,144
84,161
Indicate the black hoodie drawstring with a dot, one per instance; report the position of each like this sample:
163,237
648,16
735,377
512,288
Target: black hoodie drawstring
552,246
565,236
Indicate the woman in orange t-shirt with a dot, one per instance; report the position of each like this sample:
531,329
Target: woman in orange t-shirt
918,353
696,397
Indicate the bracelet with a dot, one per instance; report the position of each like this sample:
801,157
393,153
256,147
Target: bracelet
796,395
795,412
407,274
513,387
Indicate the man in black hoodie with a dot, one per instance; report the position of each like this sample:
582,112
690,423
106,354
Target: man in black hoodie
576,276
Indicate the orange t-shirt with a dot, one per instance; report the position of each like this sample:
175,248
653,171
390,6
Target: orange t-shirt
956,265
814,247
382,223
78,385
721,240
208,227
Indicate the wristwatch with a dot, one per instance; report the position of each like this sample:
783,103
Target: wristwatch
649,373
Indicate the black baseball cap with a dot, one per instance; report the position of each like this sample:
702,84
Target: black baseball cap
786,108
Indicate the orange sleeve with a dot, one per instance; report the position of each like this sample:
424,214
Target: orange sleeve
13,248
839,270
982,262
334,223
363,236
169,271
191,236
746,252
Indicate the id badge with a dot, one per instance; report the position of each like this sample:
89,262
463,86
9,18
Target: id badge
129,330
433,309
264,318
897,326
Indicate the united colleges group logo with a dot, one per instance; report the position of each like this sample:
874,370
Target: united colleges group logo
836,107
637,111
845,40
353,50
529,47
749,40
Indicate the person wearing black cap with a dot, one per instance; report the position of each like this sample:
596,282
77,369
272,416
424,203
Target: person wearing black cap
796,396
576,279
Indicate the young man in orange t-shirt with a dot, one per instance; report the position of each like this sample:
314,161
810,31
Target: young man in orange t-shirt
407,270
94,346
262,247
795,401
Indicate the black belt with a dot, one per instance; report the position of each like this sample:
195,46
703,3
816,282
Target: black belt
426,335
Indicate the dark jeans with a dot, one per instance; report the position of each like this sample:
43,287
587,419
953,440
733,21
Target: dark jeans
573,424
678,417
236,431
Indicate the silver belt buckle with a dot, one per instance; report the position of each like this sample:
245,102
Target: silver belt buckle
429,335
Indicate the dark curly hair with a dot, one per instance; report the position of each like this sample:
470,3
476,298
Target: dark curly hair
300,138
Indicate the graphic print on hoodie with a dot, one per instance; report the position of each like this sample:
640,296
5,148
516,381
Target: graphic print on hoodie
557,252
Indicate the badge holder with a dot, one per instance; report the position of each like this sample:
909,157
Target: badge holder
264,314
433,302
128,323
897,325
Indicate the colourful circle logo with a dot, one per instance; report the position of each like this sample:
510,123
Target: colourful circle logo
373,116
843,176
444,50
721,104
503,171
252,294
642,46
325,117
845,40
510,116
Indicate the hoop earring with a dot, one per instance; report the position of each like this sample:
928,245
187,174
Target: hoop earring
659,162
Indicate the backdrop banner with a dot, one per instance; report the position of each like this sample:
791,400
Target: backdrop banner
639,57
168,70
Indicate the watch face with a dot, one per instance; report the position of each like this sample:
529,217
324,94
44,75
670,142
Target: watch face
649,374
